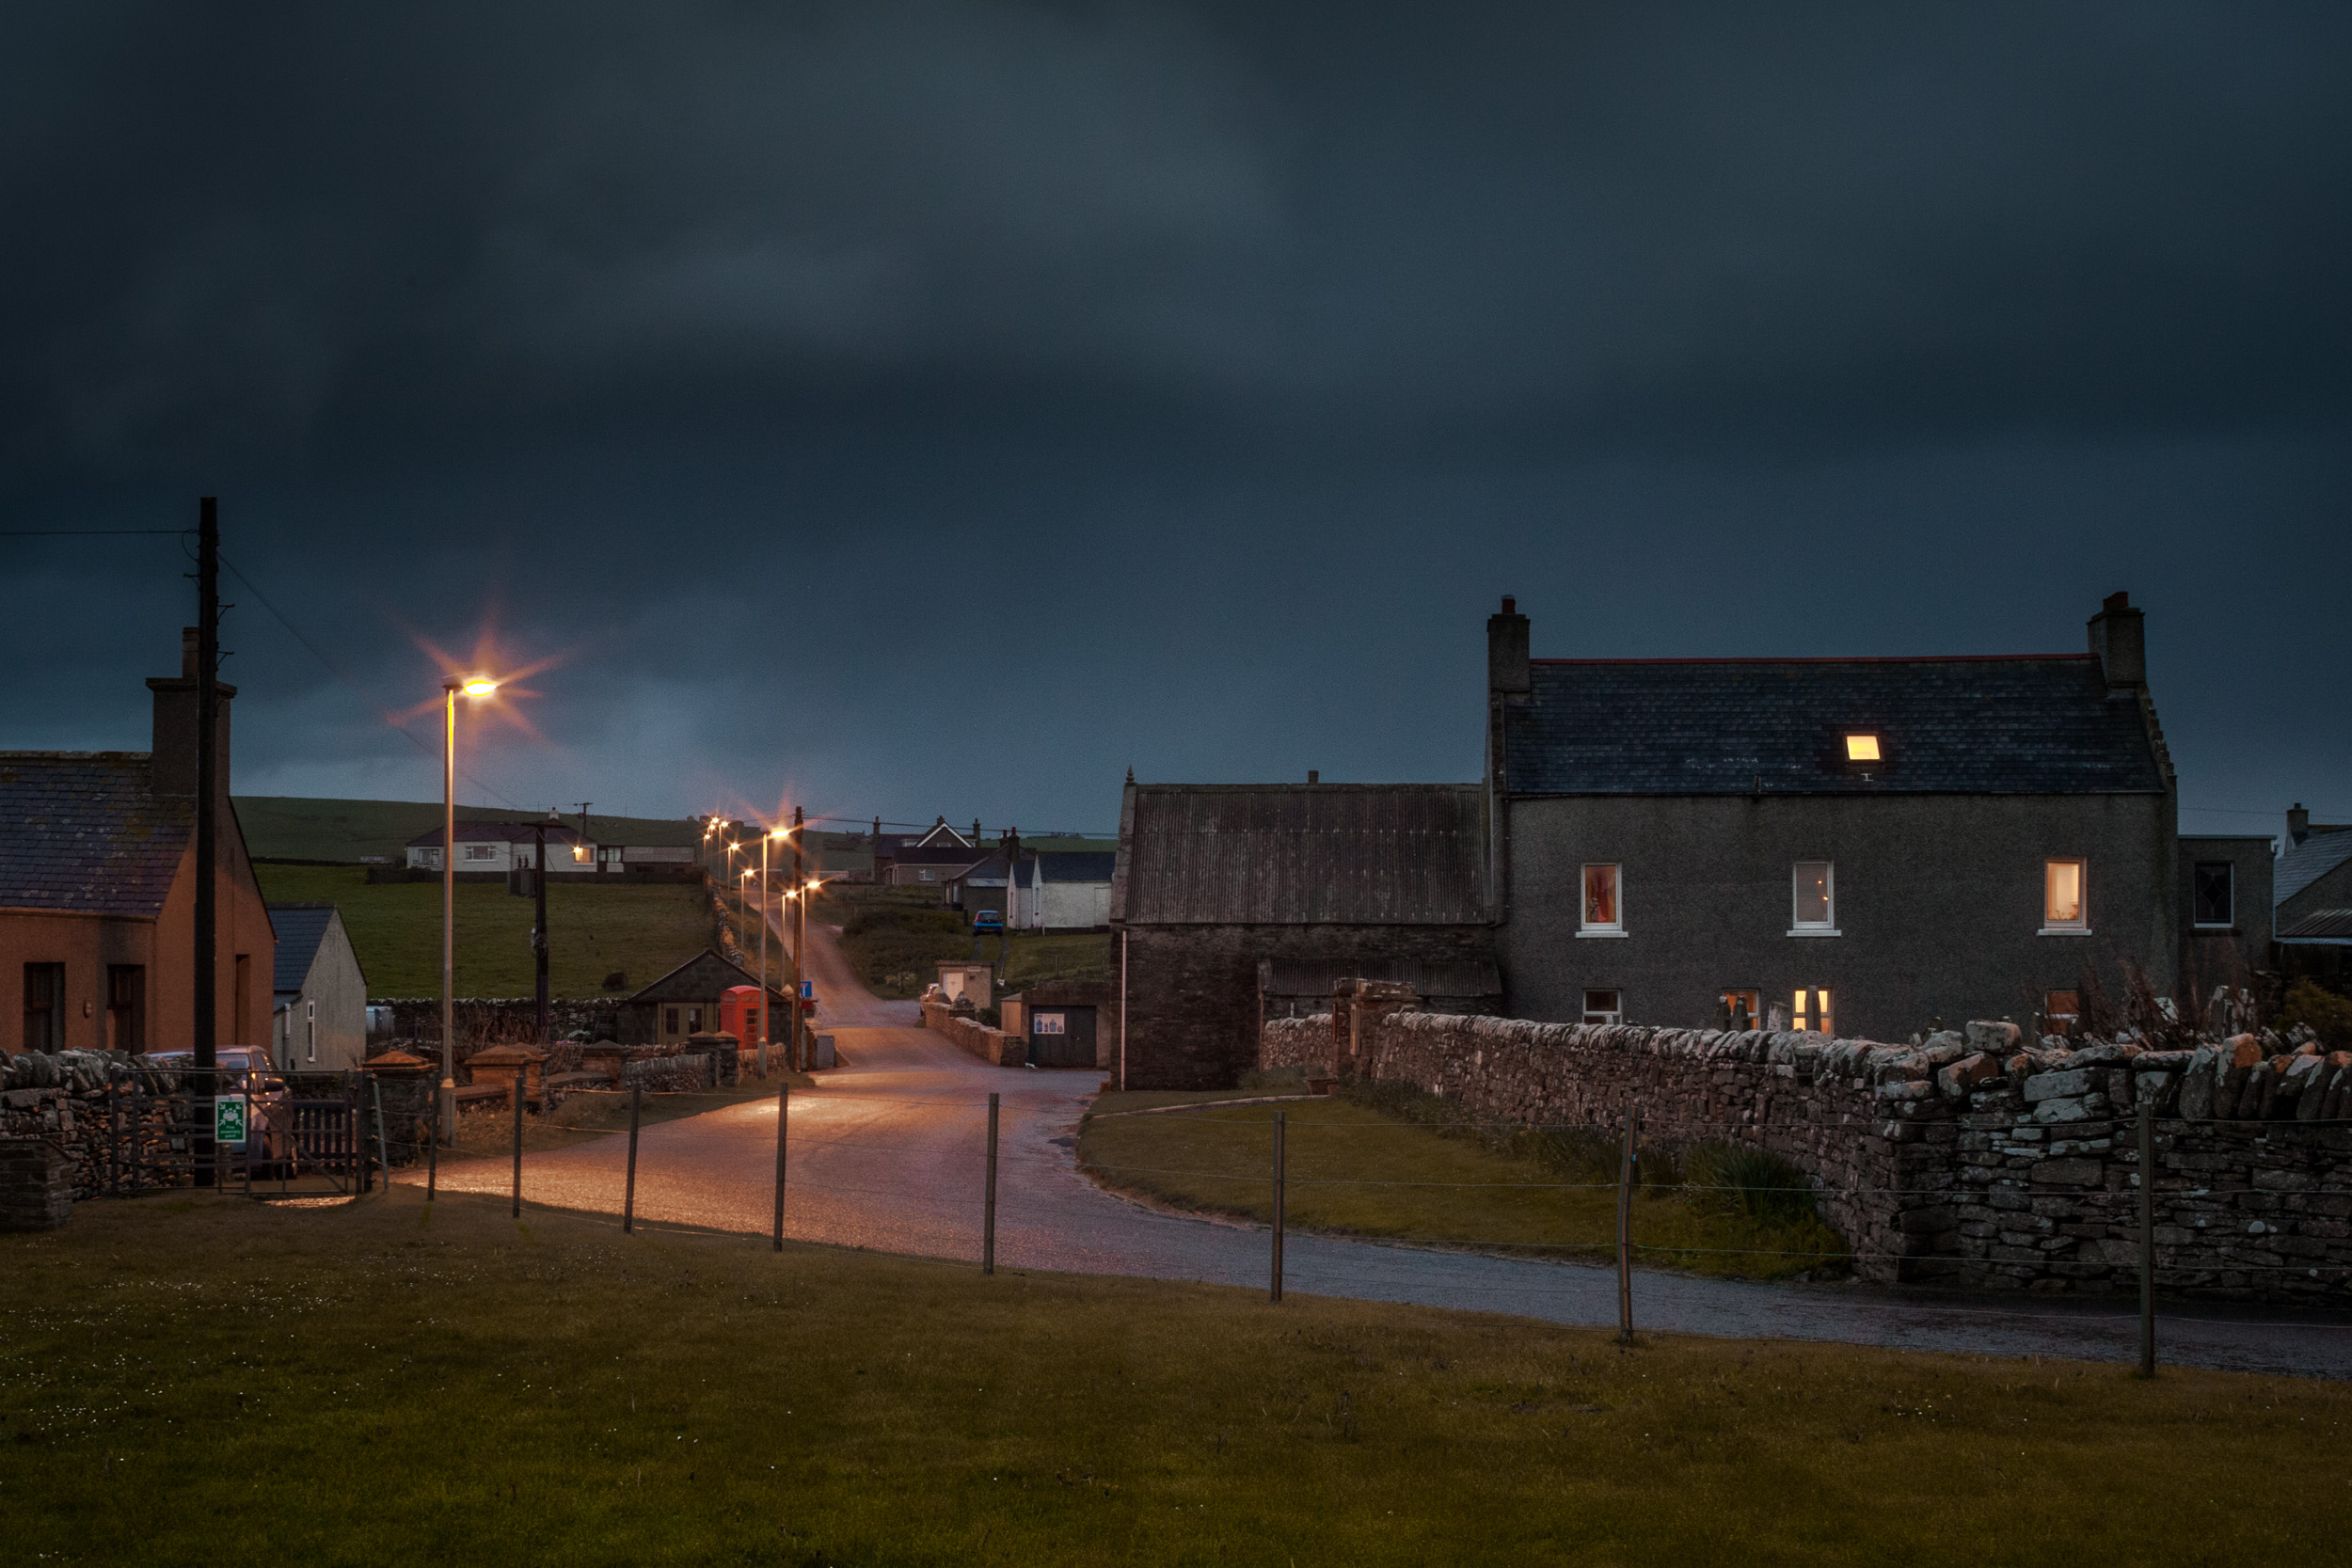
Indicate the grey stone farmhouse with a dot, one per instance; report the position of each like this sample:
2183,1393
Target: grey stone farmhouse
1852,845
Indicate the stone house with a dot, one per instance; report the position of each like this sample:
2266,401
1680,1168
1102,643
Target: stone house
320,1023
1857,846
98,893
685,1002
1220,887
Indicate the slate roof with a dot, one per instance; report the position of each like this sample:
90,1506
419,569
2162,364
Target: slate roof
81,830
2304,864
1062,867
701,978
300,928
1301,854
2016,725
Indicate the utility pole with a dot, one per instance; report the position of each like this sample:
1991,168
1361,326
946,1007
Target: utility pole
584,825
207,824
539,929
800,938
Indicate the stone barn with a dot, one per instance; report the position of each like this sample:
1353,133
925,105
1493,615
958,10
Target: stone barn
1225,891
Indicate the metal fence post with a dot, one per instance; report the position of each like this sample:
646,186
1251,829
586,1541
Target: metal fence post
1625,1230
1277,1292
433,1158
629,1190
248,1092
784,1122
383,1145
988,1226
2148,1239
114,1139
519,1143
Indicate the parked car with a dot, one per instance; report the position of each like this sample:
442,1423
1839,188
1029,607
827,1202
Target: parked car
987,920
244,1069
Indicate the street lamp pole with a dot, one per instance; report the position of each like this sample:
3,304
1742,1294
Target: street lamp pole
800,939
765,1019
450,688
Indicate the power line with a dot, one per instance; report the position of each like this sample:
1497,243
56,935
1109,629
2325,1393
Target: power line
85,533
336,671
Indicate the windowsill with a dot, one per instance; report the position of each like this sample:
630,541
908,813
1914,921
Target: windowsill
1815,932
2063,931
1599,933
2205,930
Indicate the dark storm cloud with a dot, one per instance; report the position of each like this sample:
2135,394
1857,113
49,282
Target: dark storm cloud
1155,373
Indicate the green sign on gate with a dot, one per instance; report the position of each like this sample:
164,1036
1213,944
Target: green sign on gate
228,1119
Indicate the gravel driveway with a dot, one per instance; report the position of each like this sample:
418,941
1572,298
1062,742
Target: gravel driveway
887,1152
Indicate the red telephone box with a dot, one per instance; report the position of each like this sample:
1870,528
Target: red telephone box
741,1013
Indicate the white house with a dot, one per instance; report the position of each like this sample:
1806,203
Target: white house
320,1022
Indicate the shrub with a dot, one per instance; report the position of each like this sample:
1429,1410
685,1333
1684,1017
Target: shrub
2326,1015
1767,1186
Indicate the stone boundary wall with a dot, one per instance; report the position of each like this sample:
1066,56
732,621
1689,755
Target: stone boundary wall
486,1021
1967,1160
992,1046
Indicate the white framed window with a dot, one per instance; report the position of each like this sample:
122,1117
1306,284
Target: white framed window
482,851
2065,898
1813,901
1813,1011
1603,911
1604,1006
310,1030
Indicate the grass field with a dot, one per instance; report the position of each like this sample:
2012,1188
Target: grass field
1352,1170
642,930
195,1380
895,937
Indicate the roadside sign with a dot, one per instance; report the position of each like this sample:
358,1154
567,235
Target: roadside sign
808,990
1045,1023
228,1118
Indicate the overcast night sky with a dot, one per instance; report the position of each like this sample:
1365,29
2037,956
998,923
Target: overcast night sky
919,408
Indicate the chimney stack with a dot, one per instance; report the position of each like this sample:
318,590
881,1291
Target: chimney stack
2299,823
2119,635
172,765
1314,776
1507,652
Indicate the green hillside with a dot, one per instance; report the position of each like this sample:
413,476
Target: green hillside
642,930
294,827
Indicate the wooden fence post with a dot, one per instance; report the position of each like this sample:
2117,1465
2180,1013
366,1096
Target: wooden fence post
988,1226
519,1143
1276,1294
629,1190
784,1121
1625,1230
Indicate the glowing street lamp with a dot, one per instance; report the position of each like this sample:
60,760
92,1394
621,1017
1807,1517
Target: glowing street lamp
477,686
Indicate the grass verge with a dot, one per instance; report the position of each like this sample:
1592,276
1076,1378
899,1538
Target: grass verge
641,931
1354,1169
895,937
367,1383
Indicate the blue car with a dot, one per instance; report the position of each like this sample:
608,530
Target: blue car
987,920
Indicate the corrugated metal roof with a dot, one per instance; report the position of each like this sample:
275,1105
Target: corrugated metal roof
83,831
2041,725
2304,864
2327,926
300,928
1302,854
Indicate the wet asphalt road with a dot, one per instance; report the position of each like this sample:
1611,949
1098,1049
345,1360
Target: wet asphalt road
888,1152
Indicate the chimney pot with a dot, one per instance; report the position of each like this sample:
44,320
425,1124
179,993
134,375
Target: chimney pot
2119,636
1510,604
1313,777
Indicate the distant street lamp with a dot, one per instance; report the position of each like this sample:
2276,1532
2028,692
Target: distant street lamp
767,1013
478,687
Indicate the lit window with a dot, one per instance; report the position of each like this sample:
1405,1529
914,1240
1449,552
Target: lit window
1862,748
2061,1012
1604,911
1603,1006
1815,885
1742,1009
2214,902
2064,906
1812,1011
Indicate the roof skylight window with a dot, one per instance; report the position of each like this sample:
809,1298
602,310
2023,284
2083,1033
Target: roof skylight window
1862,748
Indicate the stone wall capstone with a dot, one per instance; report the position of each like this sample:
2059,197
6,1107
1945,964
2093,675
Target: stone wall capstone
1969,1159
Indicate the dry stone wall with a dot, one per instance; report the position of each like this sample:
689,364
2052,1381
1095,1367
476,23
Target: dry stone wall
1968,1159
993,1045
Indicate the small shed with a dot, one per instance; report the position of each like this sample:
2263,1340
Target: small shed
496,1068
689,1001
321,1013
